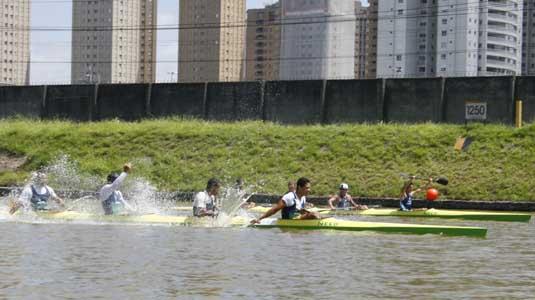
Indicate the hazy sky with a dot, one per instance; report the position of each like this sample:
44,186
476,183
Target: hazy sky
54,48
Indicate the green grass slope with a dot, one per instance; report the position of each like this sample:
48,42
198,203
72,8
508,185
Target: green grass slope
183,154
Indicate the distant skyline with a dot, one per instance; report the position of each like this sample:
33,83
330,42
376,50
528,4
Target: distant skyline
51,50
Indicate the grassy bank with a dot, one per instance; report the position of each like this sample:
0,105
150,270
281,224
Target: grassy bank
182,155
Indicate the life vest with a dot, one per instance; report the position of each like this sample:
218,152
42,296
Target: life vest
39,201
290,212
112,205
344,203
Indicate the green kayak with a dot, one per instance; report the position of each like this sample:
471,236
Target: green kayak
431,213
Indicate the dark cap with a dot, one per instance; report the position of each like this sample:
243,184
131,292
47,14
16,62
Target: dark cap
112,177
212,182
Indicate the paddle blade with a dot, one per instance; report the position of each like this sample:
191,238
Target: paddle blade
442,180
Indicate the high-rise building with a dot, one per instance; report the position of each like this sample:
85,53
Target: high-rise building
528,38
318,39
113,41
360,41
15,42
449,38
406,38
263,43
211,40
372,17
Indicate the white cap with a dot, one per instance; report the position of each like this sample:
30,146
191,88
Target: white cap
344,186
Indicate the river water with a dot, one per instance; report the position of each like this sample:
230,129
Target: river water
103,261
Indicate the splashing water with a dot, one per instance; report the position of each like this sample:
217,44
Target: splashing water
142,196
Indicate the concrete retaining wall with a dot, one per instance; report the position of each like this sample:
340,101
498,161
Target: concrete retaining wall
353,101
228,101
70,102
127,102
525,91
21,101
497,92
413,100
185,100
287,102
293,102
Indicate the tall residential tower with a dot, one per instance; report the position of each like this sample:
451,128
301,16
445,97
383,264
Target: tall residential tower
318,39
15,42
211,40
263,43
449,38
114,41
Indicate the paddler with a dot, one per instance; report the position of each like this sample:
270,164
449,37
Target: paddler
344,200
408,192
292,205
112,199
36,195
205,203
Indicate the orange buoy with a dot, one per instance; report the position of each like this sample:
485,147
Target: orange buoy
432,194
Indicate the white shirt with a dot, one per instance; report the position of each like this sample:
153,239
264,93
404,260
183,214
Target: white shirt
291,198
108,189
202,199
27,194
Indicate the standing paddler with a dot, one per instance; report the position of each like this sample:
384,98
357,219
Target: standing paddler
293,204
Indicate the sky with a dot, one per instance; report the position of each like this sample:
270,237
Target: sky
54,48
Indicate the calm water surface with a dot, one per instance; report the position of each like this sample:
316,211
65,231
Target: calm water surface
99,261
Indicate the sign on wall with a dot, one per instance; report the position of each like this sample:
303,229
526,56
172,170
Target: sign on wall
476,111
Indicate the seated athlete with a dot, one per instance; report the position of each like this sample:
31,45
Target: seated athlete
205,203
36,195
408,192
344,201
292,205
111,198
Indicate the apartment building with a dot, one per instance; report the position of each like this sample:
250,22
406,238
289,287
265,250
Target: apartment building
15,42
211,40
372,18
263,43
449,38
528,38
114,41
360,40
318,39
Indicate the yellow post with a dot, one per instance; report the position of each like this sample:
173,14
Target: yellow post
518,114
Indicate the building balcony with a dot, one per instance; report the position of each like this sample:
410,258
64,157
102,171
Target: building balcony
502,41
505,29
502,53
502,18
498,64
506,6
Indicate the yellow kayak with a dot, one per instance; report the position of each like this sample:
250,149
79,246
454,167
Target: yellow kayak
434,213
323,224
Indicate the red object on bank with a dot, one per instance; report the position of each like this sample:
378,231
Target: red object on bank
432,194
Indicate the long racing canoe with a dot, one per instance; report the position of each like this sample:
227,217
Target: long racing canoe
323,224
429,213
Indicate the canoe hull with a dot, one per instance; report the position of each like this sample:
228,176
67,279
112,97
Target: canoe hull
429,213
345,225
323,224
